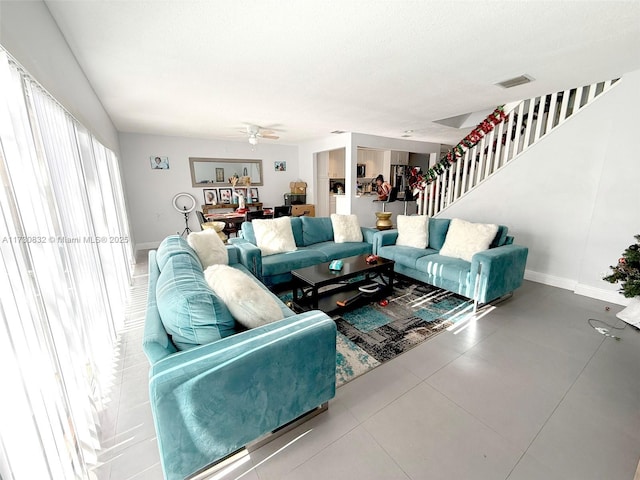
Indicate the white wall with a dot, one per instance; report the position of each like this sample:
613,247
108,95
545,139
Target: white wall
31,36
574,197
149,192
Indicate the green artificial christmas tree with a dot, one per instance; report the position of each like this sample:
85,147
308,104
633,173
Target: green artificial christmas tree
628,271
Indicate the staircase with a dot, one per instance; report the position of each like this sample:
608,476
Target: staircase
499,139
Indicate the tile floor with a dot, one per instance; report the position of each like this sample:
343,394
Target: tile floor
529,391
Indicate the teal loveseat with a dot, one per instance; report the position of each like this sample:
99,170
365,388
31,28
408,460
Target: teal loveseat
314,242
491,274
211,400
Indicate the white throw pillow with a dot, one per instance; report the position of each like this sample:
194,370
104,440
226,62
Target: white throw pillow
413,231
274,236
346,228
209,247
249,303
465,239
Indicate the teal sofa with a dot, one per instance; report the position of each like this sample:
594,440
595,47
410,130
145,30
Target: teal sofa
491,274
211,400
314,242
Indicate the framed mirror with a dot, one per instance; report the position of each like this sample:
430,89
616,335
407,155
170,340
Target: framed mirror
216,172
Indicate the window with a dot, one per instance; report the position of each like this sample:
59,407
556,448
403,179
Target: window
65,256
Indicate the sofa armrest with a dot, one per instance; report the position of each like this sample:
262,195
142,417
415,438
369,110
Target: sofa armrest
384,238
501,271
249,255
214,399
368,234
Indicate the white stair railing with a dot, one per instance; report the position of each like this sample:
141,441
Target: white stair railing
522,124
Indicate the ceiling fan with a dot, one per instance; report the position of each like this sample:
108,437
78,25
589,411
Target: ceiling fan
256,131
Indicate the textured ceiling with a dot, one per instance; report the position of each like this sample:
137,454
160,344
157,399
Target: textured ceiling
201,69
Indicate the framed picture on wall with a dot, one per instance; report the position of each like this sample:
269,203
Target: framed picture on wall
280,166
210,196
219,175
253,194
159,163
225,195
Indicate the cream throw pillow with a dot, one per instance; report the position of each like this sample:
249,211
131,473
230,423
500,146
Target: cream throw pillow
249,304
274,236
465,239
346,228
413,231
209,247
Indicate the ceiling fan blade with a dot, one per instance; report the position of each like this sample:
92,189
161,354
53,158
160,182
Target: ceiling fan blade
272,137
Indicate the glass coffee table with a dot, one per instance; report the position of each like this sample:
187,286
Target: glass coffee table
318,288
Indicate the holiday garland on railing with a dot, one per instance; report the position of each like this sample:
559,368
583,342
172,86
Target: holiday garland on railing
419,180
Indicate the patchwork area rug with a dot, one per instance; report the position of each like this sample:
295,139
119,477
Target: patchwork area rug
371,335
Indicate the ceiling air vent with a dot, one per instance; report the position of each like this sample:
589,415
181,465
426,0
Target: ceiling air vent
338,132
515,81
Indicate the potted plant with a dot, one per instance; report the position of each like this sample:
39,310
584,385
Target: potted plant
627,272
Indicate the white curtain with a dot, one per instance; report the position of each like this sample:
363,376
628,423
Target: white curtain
66,256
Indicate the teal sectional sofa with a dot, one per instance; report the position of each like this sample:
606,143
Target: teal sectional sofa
491,274
211,400
314,242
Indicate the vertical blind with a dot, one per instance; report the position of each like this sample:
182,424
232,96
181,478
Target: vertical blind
65,262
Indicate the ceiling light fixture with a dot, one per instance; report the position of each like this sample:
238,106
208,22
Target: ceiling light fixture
408,131
253,140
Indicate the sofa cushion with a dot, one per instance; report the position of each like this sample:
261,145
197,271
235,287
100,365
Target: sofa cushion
173,245
407,256
296,226
501,237
448,268
346,228
286,311
250,305
334,251
191,313
316,230
209,247
465,239
274,235
438,232
285,262
413,231
247,232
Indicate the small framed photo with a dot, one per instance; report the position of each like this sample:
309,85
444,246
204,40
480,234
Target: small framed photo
253,193
219,175
159,163
210,196
280,166
225,195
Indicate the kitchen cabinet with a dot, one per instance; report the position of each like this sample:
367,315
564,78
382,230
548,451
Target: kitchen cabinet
336,163
373,161
396,158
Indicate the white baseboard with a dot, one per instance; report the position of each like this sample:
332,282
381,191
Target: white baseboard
601,294
560,282
577,288
146,246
